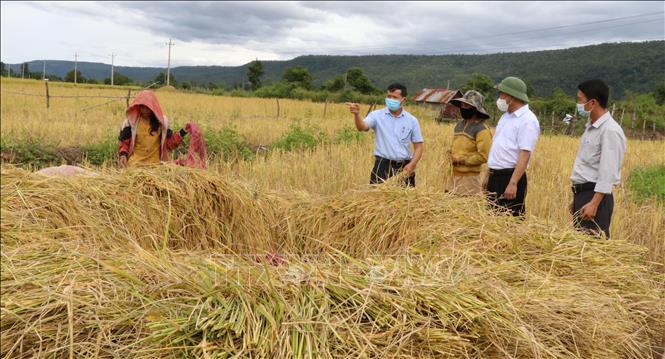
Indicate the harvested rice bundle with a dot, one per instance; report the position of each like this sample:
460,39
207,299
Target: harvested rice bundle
382,272
62,298
166,206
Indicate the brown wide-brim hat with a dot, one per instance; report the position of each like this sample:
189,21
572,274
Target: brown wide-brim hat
475,99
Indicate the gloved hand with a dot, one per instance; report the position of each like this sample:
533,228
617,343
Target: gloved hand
186,130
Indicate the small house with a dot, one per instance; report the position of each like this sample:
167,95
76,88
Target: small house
439,98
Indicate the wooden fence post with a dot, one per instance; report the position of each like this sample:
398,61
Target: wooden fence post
129,94
277,107
48,97
633,121
552,121
325,108
371,107
623,110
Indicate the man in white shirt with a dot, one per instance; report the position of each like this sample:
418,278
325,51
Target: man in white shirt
514,141
597,165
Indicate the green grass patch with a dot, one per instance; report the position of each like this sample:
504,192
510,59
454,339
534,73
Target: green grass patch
307,136
648,183
227,143
300,136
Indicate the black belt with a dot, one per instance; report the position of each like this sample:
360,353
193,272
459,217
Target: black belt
503,172
392,162
583,187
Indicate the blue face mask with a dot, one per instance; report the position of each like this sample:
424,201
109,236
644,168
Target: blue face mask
581,110
392,104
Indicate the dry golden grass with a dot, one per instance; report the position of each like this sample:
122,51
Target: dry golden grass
123,265
326,169
133,263
71,122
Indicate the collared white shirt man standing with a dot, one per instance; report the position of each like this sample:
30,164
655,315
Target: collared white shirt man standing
597,165
513,143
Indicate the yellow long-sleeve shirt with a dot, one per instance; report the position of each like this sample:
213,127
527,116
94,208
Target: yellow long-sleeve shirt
471,143
147,148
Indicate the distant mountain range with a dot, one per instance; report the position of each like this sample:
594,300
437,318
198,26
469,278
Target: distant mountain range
636,66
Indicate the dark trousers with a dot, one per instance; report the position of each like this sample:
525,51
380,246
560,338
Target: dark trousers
601,223
385,168
496,185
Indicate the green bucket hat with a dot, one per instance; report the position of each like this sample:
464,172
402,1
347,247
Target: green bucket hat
475,99
514,87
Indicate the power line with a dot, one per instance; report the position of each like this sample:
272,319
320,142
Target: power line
458,50
471,49
584,24
578,24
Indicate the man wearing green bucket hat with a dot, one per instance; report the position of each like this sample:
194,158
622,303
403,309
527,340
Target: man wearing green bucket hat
514,141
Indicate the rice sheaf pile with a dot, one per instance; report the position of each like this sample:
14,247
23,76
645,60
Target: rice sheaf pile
175,262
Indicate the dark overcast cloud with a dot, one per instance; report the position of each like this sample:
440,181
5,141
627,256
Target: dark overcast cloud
289,29
402,26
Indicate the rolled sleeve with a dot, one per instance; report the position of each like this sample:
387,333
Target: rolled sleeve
527,135
613,147
416,135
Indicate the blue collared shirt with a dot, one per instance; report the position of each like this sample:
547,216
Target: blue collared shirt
394,135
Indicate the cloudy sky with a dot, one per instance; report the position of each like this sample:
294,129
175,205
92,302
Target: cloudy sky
233,33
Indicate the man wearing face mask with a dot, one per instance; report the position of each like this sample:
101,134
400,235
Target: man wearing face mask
598,162
515,139
471,145
395,131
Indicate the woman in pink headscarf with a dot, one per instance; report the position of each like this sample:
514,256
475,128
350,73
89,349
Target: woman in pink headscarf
145,137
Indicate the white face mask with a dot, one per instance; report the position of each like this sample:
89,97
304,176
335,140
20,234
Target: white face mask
502,105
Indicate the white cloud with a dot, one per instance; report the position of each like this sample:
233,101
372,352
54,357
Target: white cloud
233,33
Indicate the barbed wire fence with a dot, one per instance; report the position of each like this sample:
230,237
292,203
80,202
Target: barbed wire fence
550,121
48,96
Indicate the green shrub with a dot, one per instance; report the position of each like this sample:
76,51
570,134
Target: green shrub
648,183
227,143
348,134
299,136
99,153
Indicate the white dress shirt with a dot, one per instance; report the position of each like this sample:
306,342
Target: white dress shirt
515,131
599,157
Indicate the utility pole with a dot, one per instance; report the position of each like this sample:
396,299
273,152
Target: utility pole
23,71
76,60
168,66
346,74
112,63
44,71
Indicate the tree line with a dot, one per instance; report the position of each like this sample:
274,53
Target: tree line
353,85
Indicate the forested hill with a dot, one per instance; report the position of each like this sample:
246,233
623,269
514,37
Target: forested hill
625,66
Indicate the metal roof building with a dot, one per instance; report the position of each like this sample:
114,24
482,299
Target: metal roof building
440,97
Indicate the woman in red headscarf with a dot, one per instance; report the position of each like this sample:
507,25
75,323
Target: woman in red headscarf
145,137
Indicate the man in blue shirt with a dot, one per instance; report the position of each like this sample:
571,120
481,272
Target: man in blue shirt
395,130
